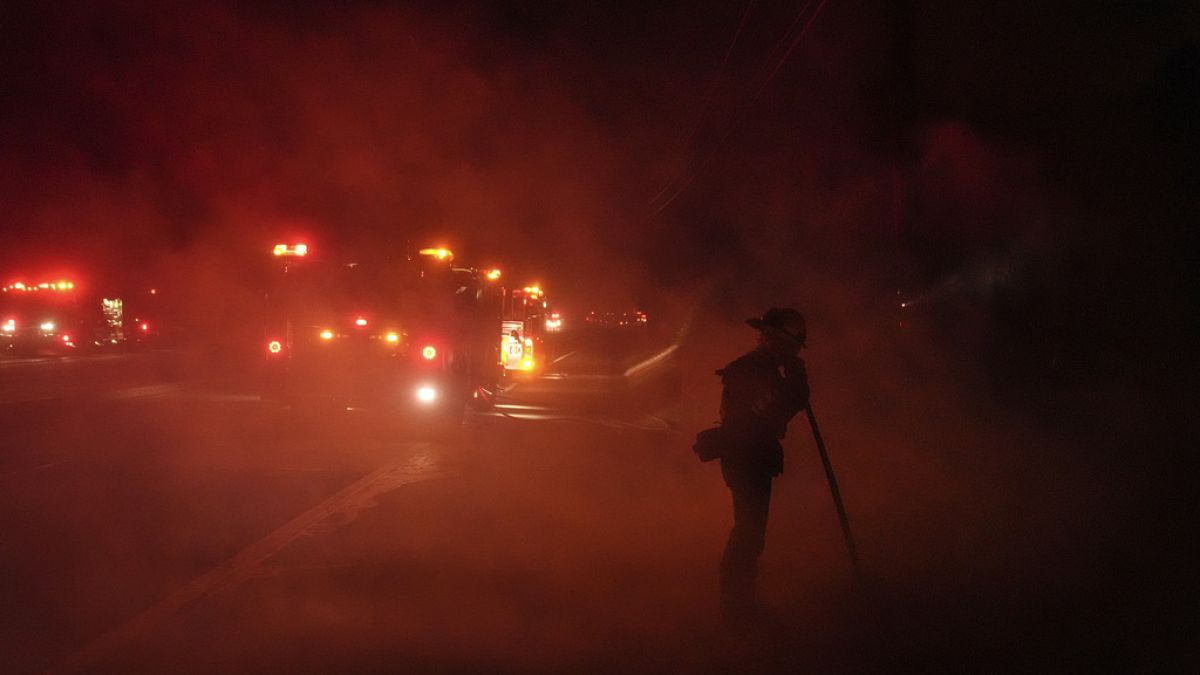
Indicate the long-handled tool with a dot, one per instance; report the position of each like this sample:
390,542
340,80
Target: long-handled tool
837,495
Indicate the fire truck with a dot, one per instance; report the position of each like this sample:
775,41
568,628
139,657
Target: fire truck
413,335
55,317
527,321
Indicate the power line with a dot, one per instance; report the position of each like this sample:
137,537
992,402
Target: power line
740,117
708,98
792,47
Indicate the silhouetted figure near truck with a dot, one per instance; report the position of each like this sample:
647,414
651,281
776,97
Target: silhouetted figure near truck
763,390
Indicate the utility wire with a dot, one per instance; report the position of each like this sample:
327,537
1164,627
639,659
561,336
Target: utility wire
737,112
707,100
791,47
740,117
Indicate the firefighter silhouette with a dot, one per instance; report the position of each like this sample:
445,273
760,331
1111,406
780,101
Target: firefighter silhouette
762,391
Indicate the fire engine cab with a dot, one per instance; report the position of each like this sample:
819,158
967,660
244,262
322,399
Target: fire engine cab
527,320
411,334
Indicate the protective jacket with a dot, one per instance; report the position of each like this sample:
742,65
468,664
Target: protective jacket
760,396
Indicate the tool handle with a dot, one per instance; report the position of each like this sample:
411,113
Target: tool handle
837,494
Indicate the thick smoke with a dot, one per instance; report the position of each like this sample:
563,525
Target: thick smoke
624,159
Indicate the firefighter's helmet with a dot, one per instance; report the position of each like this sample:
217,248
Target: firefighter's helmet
782,321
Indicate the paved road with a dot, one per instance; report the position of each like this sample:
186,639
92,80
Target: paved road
152,522
156,516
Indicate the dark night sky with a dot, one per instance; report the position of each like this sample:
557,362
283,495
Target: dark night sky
1036,152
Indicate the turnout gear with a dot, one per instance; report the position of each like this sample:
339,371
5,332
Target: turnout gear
762,393
763,390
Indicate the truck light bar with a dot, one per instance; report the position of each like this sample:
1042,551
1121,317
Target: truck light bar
299,250
43,286
439,253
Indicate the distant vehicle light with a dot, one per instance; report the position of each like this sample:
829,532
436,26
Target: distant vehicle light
47,326
439,253
275,346
299,250
9,326
493,275
19,286
426,394
360,322
145,327
66,338
429,352
392,338
326,335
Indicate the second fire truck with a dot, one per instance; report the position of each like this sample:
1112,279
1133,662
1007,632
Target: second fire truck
414,334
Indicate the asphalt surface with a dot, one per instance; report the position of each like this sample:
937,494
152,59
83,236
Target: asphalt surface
157,516
154,520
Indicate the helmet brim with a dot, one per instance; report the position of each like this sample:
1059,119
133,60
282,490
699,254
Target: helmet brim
764,327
